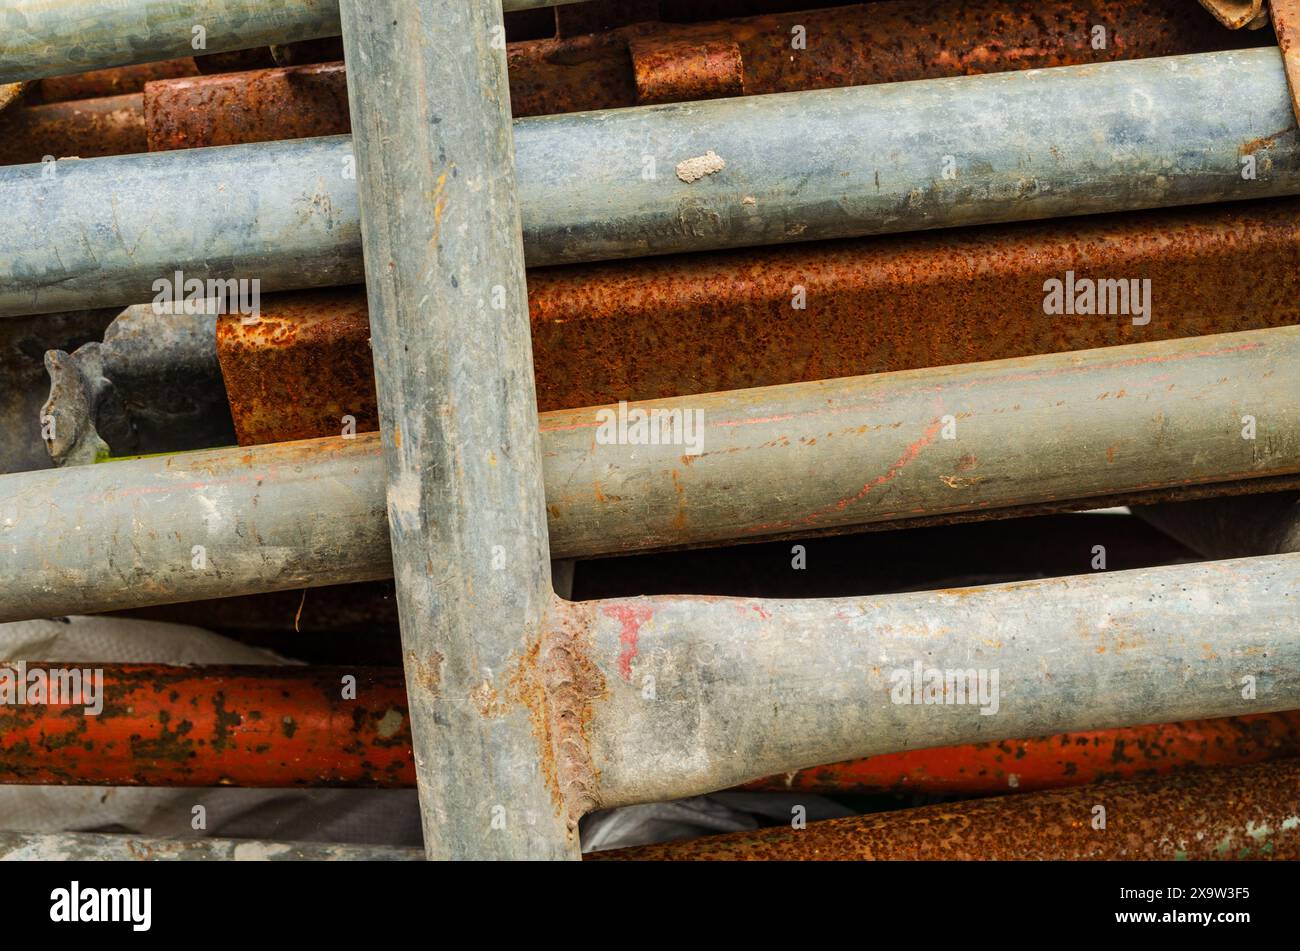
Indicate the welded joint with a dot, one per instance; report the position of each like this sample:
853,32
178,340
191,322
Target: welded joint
559,682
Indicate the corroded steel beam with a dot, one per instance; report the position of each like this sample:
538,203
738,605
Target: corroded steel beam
651,329
685,177
660,62
45,38
1243,813
218,726
283,727
1052,762
771,462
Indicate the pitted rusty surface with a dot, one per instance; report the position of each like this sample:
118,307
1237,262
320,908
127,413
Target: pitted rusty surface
300,368
662,327
845,46
211,726
1251,812
865,44
84,128
1051,762
558,682
685,70
117,81
258,106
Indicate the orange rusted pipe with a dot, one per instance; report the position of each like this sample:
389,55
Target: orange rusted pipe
82,128
212,726
289,726
652,328
1243,813
658,62
115,81
1052,762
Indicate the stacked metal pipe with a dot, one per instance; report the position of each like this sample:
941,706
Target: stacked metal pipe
783,282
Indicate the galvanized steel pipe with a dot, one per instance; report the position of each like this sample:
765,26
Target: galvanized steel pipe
53,37
458,412
773,462
687,177
693,694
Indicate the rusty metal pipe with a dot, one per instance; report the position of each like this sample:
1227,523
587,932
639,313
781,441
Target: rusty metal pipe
1243,813
218,726
662,62
771,462
85,128
651,329
1053,762
45,38
285,727
636,182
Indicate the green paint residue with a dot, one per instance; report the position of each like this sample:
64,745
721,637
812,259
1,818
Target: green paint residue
105,457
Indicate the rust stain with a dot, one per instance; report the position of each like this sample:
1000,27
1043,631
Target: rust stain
630,617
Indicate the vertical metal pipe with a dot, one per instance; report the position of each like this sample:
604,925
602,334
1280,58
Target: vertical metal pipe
453,362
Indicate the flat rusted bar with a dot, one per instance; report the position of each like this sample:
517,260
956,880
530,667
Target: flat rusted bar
1243,813
655,62
759,463
651,328
82,128
1053,762
217,726
118,81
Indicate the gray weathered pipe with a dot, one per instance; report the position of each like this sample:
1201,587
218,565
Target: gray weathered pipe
798,167
774,461
685,695
430,108
49,38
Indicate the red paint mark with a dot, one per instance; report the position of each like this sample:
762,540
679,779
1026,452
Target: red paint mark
630,618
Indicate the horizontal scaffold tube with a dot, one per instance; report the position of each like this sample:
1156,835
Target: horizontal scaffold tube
687,177
53,37
1243,813
283,727
744,465
684,695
